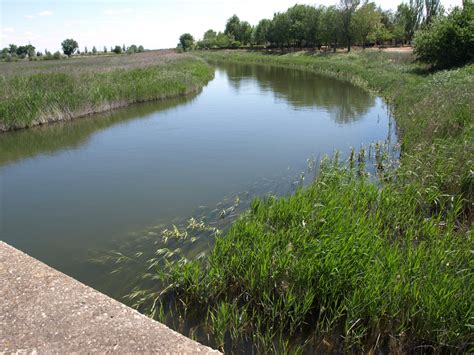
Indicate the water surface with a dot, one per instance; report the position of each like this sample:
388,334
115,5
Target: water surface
71,189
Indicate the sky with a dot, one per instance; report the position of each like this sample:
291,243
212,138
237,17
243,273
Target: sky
153,24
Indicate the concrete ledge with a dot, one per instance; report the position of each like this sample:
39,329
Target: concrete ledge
42,310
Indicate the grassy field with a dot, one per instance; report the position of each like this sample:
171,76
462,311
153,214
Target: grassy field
37,92
348,264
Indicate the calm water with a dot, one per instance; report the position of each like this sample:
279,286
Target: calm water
73,189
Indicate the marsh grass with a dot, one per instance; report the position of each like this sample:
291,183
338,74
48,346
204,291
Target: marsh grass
349,263
35,93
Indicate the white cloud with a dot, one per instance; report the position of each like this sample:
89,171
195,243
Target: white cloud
39,14
45,13
115,12
8,29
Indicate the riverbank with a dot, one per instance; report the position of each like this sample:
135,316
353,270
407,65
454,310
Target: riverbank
35,93
347,264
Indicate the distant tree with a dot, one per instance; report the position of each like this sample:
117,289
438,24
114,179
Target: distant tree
280,30
94,50
347,8
22,51
132,49
117,50
124,49
331,26
448,41
186,41
222,40
141,49
69,46
365,21
208,40
31,51
408,17
261,32
39,54
5,53
232,27
433,9
240,31
105,49
85,50
304,22
13,48
57,55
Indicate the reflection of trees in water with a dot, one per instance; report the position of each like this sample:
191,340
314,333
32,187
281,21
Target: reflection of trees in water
72,134
300,89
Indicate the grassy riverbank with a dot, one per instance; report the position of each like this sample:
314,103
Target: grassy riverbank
33,93
348,264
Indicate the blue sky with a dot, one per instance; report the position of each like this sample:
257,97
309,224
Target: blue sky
153,24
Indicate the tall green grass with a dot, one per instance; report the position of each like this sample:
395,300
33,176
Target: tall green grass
41,93
349,263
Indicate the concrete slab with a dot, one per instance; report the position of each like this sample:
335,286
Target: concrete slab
43,310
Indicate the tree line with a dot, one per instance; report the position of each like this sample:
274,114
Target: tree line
69,47
352,22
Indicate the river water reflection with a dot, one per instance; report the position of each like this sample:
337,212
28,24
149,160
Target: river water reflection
71,189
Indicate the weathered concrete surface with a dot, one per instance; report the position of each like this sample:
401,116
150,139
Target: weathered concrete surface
45,311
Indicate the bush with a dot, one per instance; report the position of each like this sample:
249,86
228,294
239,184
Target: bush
448,41
117,50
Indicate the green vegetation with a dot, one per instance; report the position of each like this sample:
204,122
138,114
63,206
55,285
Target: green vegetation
448,41
32,93
347,264
186,42
351,22
70,46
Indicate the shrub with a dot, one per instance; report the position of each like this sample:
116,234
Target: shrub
448,41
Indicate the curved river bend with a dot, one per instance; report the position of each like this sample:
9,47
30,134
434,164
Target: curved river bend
73,189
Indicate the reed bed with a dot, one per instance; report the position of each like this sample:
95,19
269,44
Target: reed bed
33,93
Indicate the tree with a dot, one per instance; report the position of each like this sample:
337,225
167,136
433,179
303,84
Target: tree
245,33
232,27
297,19
365,21
105,49
331,26
279,33
69,46
348,7
408,17
209,39
124,49
240,31
132,49
448,41
222,40
13,48
261,32
94,50
141,49
186,41
117,49
433,8
85,50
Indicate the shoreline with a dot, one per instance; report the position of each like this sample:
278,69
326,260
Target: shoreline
104,108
